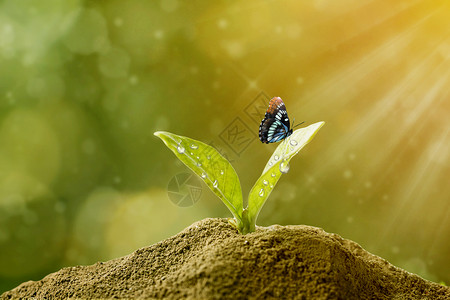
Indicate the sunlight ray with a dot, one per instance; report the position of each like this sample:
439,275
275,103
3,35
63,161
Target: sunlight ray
380,110
393,148
425,174
387,106
357,72
352,73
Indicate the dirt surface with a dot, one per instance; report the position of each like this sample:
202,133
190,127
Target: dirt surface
211,260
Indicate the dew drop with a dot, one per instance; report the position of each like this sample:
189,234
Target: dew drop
221,172
194,146
273,174
204,176
265,182
192,153
199,164
180,149
208,157
276,157
270,163
271,186
261,192
215,184
284,167
293,142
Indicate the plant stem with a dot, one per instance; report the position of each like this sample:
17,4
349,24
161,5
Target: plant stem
248,224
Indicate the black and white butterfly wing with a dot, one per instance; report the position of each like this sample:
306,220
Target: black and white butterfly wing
275,126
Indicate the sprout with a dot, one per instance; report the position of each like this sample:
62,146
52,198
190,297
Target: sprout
221,178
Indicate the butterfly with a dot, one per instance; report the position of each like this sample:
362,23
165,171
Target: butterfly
275,126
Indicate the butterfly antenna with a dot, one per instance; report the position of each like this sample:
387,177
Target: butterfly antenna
297,124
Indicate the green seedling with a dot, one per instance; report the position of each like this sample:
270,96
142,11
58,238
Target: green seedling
221,178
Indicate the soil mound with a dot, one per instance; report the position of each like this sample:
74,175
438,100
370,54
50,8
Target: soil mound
211,260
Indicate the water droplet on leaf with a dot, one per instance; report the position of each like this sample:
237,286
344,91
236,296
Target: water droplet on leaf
208,157
276,157
261,192
204,176
293,142
199,164
265,182
221,172
273,174
194,146
215,183
180,149
284,167
270,163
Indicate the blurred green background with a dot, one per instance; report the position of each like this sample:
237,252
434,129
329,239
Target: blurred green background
84,84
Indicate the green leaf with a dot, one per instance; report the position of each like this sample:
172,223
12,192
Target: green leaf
277,165
211,166
293,144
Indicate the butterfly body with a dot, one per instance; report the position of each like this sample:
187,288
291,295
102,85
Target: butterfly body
275,126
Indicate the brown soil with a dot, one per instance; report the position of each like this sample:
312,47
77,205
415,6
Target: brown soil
211,260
